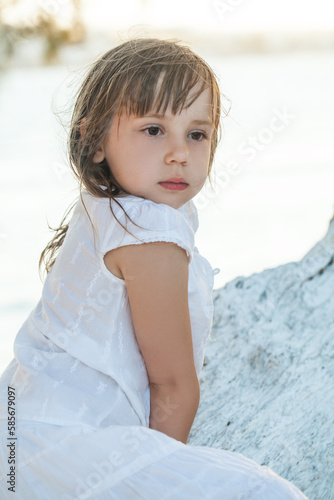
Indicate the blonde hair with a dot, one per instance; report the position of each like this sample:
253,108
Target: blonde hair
125,79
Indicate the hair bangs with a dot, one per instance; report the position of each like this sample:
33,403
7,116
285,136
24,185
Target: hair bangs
161,86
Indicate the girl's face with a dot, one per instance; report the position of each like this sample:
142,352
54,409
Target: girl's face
145,152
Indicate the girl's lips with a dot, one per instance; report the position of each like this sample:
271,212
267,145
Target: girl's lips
174,186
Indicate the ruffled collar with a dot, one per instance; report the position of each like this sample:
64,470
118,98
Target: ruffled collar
188,210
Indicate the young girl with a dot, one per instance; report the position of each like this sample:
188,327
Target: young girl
100,398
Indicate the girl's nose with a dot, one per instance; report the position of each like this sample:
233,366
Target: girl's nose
177,152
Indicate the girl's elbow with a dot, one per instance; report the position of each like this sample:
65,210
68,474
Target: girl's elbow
186,385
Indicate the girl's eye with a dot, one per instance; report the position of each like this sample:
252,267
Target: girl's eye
198,136
153,130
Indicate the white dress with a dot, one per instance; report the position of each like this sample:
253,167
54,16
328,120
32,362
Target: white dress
82,394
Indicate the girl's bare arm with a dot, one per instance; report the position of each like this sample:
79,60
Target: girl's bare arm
156,277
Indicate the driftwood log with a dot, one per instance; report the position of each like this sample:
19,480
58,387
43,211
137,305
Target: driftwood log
267,385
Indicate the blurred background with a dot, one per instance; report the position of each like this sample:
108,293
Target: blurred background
273,176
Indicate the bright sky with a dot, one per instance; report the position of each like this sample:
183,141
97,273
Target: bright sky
215,14
225,15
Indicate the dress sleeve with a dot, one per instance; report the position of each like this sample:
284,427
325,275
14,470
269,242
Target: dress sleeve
156,222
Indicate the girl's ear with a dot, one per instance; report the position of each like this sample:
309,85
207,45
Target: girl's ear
99,155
